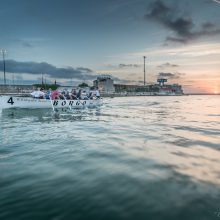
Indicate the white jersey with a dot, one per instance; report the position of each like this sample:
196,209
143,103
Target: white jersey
97,93
37,94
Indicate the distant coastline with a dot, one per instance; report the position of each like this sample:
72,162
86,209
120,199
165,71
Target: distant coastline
27,89
202,94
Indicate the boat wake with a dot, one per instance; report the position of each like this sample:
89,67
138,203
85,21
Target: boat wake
45,115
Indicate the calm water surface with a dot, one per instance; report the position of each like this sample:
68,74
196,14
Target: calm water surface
132,158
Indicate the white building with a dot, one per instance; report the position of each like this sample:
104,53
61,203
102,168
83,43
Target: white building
105,84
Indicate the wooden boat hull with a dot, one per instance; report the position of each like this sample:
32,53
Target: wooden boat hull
29,102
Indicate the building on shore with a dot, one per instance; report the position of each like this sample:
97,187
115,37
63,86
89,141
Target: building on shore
119,88
169,89
105,84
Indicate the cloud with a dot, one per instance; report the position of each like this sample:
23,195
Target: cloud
83,69
168,65
175,75
208,25
128,65
183,27
217,1
35,68
27,45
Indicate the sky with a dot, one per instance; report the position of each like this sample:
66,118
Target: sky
74,41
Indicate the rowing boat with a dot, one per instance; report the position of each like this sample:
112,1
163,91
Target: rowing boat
33,103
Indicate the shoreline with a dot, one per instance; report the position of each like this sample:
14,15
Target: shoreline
25,94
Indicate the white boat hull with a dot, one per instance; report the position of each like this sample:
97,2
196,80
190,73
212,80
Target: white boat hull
29,102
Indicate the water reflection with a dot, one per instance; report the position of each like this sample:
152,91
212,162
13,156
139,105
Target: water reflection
133,158
43,115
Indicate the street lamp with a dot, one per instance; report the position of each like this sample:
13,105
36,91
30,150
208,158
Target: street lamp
3,52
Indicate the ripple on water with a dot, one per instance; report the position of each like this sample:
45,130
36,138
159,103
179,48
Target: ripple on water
133,158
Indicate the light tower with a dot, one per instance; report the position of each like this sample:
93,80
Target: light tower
3,52
144,70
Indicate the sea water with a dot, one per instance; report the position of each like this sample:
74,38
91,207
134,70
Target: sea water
132,158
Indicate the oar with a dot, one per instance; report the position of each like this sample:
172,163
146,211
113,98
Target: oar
56,113
51,102
68,102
